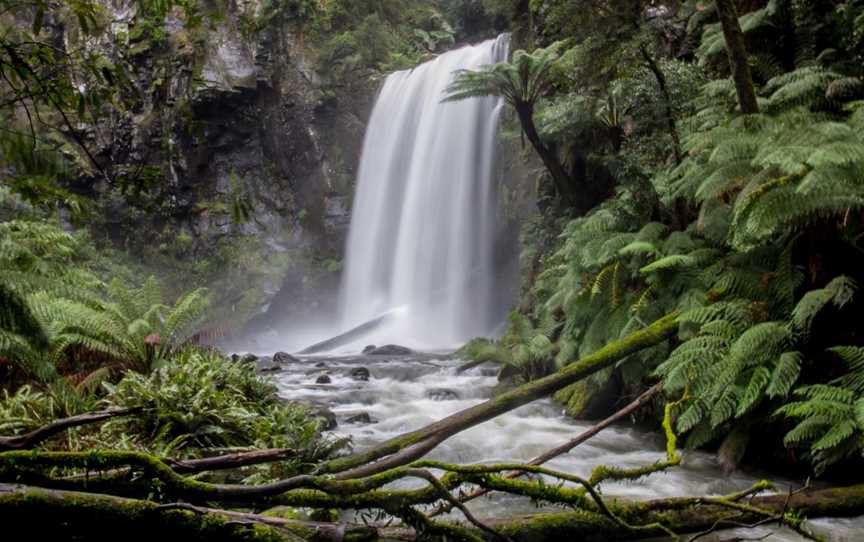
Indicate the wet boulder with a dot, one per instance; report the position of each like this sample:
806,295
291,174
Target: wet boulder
284,357
323,379
360,374
245,358
361,418
389,350
267,365
442,394
369,349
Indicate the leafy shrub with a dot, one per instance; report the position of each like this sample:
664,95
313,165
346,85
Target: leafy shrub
202,402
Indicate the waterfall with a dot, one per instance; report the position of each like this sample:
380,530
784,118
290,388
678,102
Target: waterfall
423,223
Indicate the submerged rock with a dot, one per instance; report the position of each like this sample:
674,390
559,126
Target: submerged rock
389,350
319,412
362,418
267,365
323,379
442,394
359,373
284,357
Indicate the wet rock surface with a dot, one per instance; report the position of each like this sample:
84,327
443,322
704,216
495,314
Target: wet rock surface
323,379
283,357
359,373
362,418
267,365
388,350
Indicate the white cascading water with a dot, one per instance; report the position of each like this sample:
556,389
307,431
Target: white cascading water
423,223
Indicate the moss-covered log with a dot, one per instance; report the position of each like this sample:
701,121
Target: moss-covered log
71,515
46,514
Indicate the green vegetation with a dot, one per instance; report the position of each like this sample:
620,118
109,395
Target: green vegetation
702,170
751,230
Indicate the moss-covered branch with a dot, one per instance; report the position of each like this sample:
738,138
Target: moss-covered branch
41,434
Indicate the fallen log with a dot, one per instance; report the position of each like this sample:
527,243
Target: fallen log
44,512
37,436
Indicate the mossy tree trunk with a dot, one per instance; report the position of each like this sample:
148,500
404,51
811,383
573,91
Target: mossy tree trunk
737,52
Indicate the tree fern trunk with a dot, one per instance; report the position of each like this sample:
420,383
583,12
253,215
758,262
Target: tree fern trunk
737,56
563,182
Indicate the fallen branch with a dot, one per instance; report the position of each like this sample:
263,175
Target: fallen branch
31,439
564,448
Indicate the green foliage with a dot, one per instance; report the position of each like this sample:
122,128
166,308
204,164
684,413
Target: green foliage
753,237
57,312
202,402
523,80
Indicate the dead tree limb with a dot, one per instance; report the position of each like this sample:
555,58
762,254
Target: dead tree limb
31,439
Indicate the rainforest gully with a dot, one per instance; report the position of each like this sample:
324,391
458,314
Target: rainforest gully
433,270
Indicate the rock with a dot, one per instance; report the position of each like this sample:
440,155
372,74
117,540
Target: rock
369,348
363,417
267,365
320,364
389,350
442,394
359,373
323,414
248,358
323,379
284,357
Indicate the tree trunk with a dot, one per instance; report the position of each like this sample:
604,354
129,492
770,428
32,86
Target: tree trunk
737,56
563,182
667,101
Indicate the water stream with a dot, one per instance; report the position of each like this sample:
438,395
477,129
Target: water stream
406,393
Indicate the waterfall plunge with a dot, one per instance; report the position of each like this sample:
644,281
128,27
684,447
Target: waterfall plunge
423,224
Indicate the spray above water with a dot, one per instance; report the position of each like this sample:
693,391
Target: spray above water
423,225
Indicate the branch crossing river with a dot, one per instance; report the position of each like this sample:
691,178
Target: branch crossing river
404,393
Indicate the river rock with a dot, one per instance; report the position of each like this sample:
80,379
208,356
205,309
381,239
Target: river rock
320,364
323,379
284,357
442,394
369,349
362,418
324,415
389,350
267,365
247,358
359,373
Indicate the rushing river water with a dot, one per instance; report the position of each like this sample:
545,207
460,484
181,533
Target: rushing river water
406,393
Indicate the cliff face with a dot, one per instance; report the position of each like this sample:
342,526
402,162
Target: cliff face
233,144
237,155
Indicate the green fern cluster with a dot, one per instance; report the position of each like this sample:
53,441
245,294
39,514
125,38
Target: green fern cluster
56,310
203,402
